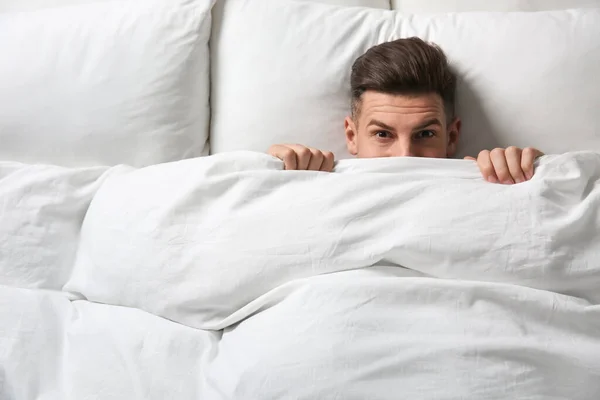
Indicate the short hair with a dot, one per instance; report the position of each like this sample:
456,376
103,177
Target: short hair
406,67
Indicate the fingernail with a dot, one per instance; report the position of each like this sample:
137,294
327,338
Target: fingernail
519,180
507,182
492,179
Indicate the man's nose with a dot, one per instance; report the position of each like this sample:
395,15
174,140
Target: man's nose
404,149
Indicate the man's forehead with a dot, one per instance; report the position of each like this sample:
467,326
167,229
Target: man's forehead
401,109
372,99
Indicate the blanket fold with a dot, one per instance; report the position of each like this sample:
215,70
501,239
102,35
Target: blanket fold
197,240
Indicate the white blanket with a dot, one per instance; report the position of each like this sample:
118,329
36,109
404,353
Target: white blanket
389,278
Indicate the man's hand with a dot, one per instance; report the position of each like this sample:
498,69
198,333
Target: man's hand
298,157
507,166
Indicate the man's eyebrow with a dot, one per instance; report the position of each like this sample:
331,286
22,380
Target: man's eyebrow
381,125
429,122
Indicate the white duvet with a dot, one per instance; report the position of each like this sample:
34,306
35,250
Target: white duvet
228,278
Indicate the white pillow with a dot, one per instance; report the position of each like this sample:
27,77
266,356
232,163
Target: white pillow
385,4
105,83
24,5
526,79
435,6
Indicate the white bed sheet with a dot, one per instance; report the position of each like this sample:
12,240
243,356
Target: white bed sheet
196,241
376,334
229,278
55,348
41,212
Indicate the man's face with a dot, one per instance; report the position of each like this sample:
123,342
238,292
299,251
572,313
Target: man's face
390,125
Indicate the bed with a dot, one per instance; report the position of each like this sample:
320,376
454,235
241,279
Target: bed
150,249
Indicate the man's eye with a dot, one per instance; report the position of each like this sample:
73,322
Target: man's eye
425,134
384,135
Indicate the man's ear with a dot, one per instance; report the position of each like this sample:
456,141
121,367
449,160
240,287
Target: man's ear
453,136
350,128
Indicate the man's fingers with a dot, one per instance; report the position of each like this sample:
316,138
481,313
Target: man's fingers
285,154
469,158
303,156
507,166
298,157
328,159
498,158
316,160
288,156
527,159
484,162
513,160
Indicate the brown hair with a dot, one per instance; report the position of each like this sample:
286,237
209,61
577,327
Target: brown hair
404,66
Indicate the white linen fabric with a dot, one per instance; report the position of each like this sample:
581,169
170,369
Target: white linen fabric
524,78
30,5
160,238
384,4
20,5
388,278
105,83
386,274
436,6
56,347
375,334
41,211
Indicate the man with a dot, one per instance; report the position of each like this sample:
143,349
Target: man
403,104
